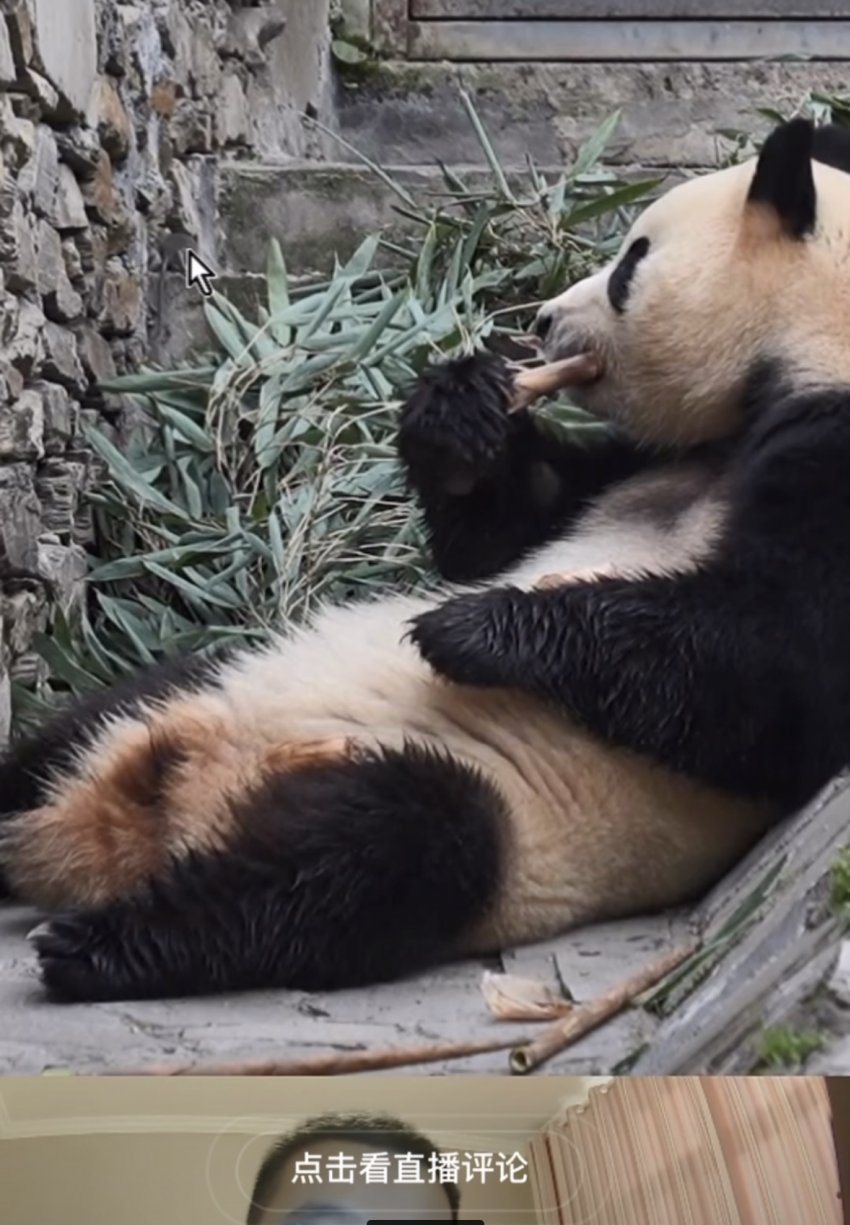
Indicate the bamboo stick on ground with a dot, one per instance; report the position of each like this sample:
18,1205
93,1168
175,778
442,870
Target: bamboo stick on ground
555,1038
333,1063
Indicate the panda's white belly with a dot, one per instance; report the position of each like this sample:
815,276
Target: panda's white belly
666,523
595,831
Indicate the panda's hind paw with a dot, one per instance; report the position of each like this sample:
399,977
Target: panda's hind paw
73,965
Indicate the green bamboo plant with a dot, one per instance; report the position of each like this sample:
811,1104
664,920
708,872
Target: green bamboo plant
264,481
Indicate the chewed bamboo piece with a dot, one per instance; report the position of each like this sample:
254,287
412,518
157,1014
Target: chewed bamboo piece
533,383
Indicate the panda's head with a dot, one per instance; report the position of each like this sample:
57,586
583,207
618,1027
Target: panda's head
726,275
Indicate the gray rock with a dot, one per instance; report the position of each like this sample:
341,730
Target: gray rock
42,92
104,202
192,128
249,33
839,984
80,149
24,613
73,260
122,301
26,348
834,1061
69,208
8,74
42,175
5,699
184,216
11,381
22,427
204,63
18,135
59,415
18,249
20,517
108,115
61,361
95,354
58,27
60,486
65,568
19,20
9,316
232,115
61,301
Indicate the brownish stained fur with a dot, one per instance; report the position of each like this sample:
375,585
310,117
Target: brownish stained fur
592,574
160,788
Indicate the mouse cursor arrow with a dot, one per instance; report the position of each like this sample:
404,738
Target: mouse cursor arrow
200,274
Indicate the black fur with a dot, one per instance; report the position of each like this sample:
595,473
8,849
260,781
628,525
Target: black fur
738,674
831,145
495,485
620,280
784,178
26,766
343,875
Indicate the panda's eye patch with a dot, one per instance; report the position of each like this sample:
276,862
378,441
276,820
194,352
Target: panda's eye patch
620,280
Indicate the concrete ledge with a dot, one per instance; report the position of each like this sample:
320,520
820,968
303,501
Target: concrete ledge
637,41
316,211
535,10
671,113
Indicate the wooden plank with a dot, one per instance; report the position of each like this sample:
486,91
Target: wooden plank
536,10
390,26
629,40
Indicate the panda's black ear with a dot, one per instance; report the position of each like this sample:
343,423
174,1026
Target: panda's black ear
784,180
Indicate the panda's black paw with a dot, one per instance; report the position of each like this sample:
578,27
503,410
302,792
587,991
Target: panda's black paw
74,960
455,427
474,639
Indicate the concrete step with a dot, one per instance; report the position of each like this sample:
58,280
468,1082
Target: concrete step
407,112
318,210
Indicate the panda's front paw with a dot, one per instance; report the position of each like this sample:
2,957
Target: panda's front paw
473,639
455,427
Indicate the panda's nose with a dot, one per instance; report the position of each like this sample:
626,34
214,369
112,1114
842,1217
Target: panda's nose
543,323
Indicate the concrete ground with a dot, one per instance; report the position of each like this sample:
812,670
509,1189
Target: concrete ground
776,945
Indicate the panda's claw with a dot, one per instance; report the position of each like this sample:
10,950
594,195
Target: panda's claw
464,641
68,963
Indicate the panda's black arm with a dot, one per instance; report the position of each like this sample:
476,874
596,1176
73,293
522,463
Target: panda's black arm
737,674
493,484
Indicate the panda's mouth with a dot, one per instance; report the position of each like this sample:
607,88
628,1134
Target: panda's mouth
535,382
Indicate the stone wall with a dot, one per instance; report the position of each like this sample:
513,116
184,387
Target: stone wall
113,120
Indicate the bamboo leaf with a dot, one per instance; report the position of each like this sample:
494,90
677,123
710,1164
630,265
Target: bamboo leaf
590,153
489,151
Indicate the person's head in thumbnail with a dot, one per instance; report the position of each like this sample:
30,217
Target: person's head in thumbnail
350,1169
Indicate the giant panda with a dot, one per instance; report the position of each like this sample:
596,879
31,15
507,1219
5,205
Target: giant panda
415,779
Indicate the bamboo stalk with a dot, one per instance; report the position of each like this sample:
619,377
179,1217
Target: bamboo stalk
586,1017
538,381
333,1063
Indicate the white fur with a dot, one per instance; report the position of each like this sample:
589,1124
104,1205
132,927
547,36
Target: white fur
595,831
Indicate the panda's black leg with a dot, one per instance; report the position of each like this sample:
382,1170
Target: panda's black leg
346,874
25,765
